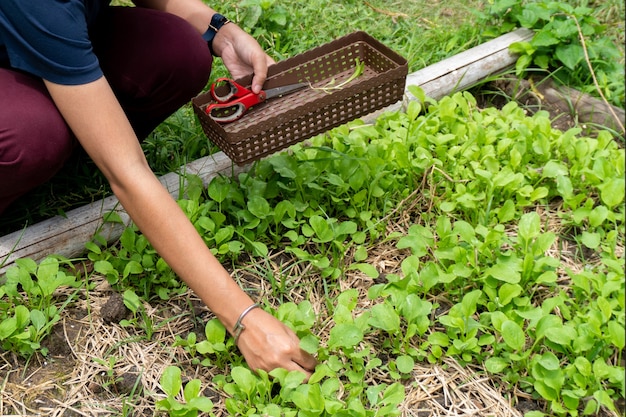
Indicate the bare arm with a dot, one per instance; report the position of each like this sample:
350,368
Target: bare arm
98,121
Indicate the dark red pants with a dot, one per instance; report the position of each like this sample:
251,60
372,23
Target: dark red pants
155,63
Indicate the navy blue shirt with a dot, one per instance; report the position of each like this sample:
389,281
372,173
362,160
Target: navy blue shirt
50,39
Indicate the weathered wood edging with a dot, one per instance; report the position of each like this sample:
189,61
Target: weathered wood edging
67,236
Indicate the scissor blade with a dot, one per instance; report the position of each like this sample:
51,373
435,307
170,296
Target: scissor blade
286,89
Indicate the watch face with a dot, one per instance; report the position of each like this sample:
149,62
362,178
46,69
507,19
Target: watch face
217,21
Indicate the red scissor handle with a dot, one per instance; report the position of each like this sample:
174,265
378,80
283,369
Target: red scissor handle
232,105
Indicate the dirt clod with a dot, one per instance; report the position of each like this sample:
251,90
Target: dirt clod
127,383
114,310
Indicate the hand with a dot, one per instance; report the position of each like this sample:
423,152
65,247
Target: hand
267,344
242,55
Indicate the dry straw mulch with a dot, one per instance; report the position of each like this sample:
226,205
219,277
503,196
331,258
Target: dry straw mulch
77,378
80,383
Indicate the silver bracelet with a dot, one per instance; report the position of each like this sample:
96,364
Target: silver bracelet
239,327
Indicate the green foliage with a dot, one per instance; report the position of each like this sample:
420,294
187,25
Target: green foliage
564,33
264,16
134,264
27,306
192,402
489,170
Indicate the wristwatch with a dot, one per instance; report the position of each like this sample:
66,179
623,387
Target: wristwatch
217,21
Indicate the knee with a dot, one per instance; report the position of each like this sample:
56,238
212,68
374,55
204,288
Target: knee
33,147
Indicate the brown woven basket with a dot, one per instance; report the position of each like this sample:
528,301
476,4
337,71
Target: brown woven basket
281,122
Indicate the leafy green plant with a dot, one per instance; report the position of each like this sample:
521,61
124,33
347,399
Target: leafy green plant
135,264
214,348
267,20
28,310
566,37
192,400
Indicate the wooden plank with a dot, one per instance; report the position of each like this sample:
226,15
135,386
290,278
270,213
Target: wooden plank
463,70
67,236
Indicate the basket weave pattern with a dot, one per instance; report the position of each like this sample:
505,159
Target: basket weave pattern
283,121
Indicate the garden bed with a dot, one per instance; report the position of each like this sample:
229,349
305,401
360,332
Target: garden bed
106,360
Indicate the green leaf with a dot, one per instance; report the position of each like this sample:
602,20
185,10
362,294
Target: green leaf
367,269
590,240
495,365
224,234
201,403
507,292
548,277
570,54
506,212
522,63
598,215
360,254
171,381
259,207
192,389
564,187
218,190
522,48
529,226
345,228
544,390
405,364
7,327
132,267
383,316
616,334
258,249
605,399
549,361
321,228
394,394
131,300
414,109
309,343
345,335
244,379
612,192
554,169
38,319
215,331
583,366
513,335
562,335
22,316
506,272
544,38
104,267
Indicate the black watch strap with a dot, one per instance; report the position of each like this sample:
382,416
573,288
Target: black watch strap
217,21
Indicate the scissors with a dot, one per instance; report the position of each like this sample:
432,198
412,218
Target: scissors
238,99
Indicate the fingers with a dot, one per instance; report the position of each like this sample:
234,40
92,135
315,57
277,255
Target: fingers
260,65
267,344
306,360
